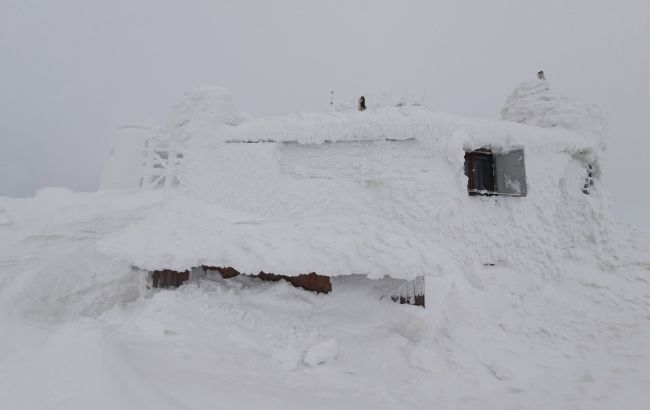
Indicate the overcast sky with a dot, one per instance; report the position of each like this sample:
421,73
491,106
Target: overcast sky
71,70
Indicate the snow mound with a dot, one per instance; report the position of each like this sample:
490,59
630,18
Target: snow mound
50,265
534,103
207,104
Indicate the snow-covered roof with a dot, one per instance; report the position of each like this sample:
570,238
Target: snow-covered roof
396,124
391,123
532,103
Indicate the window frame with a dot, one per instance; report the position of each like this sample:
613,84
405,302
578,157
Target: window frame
472,158
507,176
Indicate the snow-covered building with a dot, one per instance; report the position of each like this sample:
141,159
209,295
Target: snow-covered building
535,297
395,190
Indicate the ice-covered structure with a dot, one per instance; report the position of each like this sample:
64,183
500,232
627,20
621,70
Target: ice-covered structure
396,190
534,103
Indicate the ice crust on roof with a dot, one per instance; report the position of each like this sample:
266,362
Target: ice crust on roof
535,103
320,127
399,123
401,118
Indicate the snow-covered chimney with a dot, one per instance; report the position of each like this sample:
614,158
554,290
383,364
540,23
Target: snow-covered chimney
540,75
362,103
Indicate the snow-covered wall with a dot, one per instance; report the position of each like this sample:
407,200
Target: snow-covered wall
379,192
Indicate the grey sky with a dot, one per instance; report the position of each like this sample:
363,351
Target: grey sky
71,70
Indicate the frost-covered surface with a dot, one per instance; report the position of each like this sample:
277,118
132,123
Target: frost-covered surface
532,302
79,327
150,156
379,192
535,103
388,122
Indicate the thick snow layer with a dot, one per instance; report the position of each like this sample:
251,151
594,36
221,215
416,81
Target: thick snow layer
507,339
532,302
49,262
386,122
379,192
206,104
65,253
146,156
80,327
534,103
387,218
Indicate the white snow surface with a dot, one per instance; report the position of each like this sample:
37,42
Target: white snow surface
533,302
535,103
81,330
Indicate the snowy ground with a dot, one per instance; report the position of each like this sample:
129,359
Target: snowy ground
79,330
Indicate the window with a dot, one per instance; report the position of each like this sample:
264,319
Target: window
492,173
479,168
